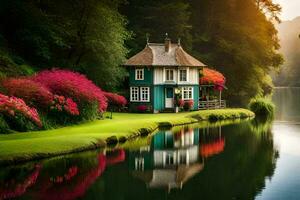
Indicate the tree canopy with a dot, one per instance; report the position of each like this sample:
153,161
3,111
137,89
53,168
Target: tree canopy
94,37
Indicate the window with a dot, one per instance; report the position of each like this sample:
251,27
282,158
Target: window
139,74
169,75
187,93
145,94
134,94
182,75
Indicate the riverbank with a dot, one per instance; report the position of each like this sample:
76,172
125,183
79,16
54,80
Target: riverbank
22,147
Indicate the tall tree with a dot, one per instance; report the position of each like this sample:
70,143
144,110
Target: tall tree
86,36
155,18
237,38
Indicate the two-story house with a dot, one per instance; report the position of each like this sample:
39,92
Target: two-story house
159,72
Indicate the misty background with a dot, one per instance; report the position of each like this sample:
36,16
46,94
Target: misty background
290,48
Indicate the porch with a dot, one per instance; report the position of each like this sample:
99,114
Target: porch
211,104
211,97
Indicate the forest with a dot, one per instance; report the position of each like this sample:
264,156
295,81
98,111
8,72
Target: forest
94,37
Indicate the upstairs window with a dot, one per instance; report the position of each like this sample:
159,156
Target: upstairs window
187,93
169,75
183,75
139,74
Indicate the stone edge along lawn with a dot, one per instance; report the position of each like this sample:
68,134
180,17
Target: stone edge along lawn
20,147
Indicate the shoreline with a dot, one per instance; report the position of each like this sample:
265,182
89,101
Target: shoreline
82,137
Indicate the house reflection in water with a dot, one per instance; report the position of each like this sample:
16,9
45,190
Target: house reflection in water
172,158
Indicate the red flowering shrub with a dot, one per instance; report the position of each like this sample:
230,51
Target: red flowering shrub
142,108
179,103
60,103
73,85
15,110
212,77
33,93
115,100
188,105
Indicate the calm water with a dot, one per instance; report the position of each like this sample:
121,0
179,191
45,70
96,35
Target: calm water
247,160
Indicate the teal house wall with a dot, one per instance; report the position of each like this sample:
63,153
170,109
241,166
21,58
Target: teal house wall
158,97
148,77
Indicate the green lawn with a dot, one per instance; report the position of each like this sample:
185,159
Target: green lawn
52,142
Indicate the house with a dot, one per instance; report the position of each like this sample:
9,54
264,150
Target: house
161,75
159,72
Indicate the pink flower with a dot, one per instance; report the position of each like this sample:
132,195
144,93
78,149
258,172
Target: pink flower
73,85
115,99
33,93
12,105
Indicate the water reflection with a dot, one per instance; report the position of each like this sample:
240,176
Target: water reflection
183,163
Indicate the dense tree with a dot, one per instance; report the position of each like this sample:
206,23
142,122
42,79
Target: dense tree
241,42
154,19
87,36
94,37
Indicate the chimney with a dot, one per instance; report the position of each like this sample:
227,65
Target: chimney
167,43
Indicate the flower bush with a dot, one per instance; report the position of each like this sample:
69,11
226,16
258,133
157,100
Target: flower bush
142,108
33,93
213,77
73,85
188,105
17,113
115,100
60,103
179,103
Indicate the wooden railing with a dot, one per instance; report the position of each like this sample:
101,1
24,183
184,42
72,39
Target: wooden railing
212,104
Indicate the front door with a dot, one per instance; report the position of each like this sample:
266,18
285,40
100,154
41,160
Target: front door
169,97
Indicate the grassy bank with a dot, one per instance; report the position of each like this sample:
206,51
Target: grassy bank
41,144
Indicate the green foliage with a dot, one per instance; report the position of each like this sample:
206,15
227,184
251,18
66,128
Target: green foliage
8,67
89,111
20,123
87,36
262,107
242,32
238,38
156,18
4,128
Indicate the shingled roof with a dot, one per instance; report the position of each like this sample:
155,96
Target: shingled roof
155,54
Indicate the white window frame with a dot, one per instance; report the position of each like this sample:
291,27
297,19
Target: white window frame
166,74
187,74
134,94
147,94
139,74
190,91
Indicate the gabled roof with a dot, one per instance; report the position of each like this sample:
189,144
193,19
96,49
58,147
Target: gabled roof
154,54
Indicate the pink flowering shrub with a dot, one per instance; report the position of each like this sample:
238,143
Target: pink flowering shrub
60,103
142,108
115,100
33,93
73,85
188,105
179,103
17,113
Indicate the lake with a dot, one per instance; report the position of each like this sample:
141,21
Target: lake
230,160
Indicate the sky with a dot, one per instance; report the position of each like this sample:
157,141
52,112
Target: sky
290,9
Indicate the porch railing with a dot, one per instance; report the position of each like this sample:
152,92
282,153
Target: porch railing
212,104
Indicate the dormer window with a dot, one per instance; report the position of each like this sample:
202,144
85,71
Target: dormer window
139,74
169,75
